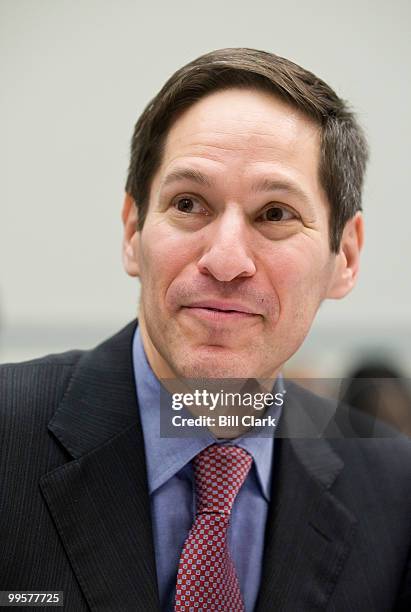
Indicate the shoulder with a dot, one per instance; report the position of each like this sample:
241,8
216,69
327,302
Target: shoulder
11,373
366,445
36,385
31,391
55,359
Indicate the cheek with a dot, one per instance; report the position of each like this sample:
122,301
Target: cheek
162,257
299,277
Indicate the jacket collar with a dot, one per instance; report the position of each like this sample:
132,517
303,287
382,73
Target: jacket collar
100,400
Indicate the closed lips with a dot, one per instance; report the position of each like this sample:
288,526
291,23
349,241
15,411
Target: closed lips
223,307
222,315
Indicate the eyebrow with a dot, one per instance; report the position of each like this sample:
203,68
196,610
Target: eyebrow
190,174
261,185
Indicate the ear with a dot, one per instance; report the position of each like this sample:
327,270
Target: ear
131,237
348,258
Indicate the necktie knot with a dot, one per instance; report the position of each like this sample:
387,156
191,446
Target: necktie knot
219,473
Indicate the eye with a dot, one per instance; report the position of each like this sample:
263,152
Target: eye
277,213
189,204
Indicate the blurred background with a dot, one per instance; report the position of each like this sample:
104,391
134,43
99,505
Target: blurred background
75,77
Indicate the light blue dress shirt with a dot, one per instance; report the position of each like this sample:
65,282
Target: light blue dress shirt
171,488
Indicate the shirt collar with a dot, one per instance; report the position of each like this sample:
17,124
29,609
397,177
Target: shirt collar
167,456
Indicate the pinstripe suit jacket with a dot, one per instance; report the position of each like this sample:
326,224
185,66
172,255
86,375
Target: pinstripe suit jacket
75,509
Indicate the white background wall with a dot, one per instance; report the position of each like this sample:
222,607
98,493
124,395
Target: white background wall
76,75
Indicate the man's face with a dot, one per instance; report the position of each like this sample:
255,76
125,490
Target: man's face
234,256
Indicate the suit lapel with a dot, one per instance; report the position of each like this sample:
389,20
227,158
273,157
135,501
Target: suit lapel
309,531
99,501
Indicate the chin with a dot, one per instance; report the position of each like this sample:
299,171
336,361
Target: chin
216,362
208,371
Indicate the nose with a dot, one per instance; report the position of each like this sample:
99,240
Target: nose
227,255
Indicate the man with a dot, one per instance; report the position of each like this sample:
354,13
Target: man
242,214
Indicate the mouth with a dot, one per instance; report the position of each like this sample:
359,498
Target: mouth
220,311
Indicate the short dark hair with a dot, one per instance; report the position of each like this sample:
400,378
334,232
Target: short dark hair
344,150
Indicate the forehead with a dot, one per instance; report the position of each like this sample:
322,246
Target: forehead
244,125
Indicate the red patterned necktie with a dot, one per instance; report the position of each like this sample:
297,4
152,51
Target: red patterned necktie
206,578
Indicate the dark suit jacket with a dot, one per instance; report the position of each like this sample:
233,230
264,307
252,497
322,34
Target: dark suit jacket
75,509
